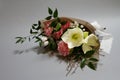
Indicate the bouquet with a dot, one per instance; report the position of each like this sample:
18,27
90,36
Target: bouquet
71,40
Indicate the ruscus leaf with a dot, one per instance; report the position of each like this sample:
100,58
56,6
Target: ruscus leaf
55,14
48,18
58,26
94,59
19,40
91,65
89,53
50,11
82,64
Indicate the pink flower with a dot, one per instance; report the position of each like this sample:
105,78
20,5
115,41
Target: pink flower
65,26
48,30
58,34
47,23
63,48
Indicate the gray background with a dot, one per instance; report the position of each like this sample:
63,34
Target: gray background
16,18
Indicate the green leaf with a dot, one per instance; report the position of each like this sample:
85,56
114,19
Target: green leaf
55,14
33,27
63,22
58,19
83,63
94,59
53,24
18,41
39,23
29,39
22,41
35,24
40,43
91,65
34,32
88,54
18,37
58,26
31,31
50,11
52,44
48,18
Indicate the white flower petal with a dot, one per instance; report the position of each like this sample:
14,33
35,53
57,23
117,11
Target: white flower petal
73,37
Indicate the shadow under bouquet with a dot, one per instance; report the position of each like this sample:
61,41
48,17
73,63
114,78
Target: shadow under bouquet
71,40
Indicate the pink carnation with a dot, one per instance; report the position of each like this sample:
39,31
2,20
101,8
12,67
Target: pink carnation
63,48
66,26
48,30
47,23
58,34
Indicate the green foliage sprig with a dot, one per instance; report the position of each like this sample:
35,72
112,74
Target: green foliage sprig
52,14
34,34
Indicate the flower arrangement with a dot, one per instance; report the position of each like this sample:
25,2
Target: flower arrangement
71,40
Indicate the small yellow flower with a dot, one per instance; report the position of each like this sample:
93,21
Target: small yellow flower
73,37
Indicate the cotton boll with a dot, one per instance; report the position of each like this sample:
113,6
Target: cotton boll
76,23
43,38
45,43
82,26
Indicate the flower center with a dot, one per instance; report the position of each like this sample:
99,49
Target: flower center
75,36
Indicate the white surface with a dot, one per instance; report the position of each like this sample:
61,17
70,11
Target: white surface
16,18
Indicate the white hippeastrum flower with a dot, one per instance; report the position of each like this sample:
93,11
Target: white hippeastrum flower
73,37
89,41
92,40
